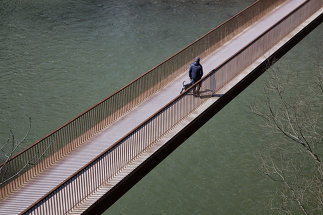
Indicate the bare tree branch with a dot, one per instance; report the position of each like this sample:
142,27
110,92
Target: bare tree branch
297,118
27,164
14,146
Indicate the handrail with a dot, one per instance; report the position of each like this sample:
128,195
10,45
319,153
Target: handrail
106,165
72,134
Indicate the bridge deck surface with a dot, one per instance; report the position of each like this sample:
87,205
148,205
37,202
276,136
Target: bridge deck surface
64,168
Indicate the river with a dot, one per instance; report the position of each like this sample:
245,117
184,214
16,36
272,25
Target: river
58,58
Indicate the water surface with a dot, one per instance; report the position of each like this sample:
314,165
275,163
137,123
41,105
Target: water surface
58,58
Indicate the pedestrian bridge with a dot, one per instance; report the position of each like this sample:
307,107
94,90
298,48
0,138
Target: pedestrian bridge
88,163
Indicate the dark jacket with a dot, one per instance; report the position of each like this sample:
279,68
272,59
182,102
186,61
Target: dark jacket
196,70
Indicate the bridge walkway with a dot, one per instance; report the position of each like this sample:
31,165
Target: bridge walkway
64,168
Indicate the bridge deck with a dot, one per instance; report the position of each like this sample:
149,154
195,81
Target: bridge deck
64,168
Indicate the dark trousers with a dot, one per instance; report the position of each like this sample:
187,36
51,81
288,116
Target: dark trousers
196,89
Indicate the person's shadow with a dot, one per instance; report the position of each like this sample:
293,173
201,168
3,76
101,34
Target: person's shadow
205,94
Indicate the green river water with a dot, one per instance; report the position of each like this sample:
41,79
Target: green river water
58,58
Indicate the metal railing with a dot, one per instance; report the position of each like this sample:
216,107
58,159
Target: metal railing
33,160
104,167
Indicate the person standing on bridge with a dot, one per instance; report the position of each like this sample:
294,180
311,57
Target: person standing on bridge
196,72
